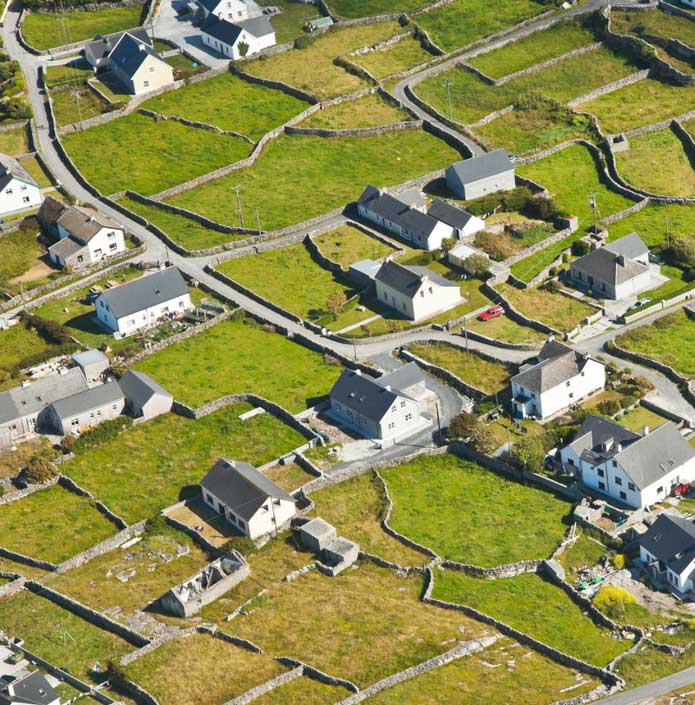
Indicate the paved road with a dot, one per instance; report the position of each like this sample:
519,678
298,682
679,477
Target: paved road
646,694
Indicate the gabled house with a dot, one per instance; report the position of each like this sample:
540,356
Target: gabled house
230,10
246,498
463,223
478,176
83,236
137,66
379,409
416,293
144,397
561,377
87,408
667,550
97,51
143,302
18,190
615,271
237,40
30,689
635,469
403,218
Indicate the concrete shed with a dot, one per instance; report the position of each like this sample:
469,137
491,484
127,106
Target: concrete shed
340,554
144,397
93,364
317,534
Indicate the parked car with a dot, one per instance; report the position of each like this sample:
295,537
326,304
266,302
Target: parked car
492,312
641,302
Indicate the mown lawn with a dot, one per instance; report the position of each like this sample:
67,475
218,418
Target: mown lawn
536,607
167,457
312,69
651,223
74,73
468,514
487,375
657,163
533,49
675,285
472,99
230,103
156,163
668,339
16,343
404,55
20,251
59,636
311,176
289,24
347,245
44,30
504,328
14,142
528,267
369,111
30,525
235,357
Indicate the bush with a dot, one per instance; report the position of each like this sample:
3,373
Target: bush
643,384
580,248
529,454
619,561
303,42
627,402
462,425
68,443
102,434
40,469
609,407
613,600
483,440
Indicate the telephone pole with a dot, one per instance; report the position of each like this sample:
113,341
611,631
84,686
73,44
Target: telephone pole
236,190
448,84
668,236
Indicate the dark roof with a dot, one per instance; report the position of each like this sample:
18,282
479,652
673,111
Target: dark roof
88,400
66,247
32,688
407,280
138,388
369,193
451,215
398,211
209,5
130,52
102,45
241,487
631,246
482,166
557,363
605,266
10,169
85,223
671,540
403,377
51,209
259,26
225,32
599,438
145,292
363,394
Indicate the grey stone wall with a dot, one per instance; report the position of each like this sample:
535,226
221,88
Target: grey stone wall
71,485
516,315
506,570
610,88
356,132
317,675
19,494
27,560
266,687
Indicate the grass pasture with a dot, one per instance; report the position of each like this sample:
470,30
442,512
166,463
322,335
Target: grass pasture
15,142
75,103
348,245
528,267
289,24
504,328
401,56
372,110
468,514
654,23
303,691
651,223
352,9
16,343
20,255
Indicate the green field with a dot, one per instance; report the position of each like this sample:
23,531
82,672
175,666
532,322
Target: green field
504,328
167,457
235,357
651,223
536,607
352,9
654,23
369,111
401,56
76,103
21,255
303,691
141,154
74,73
289,24
526,269
348,245
16,343
230,103
311,175
44,30
468,514
15,142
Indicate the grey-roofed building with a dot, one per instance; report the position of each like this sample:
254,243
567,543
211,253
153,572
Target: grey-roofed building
616,271
238,39
143,302
560,378
364,272
377,408
463,223
93,364
18,189
478,176
636,470
230,10
408,379
137,66
248,500
416,293
30,689
316,534
24,409
144,397
667,550
97,52
87,408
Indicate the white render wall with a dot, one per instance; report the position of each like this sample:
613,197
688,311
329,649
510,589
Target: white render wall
154,73
475,189
679,581
18,196
76,424
141,319
255,44
428,301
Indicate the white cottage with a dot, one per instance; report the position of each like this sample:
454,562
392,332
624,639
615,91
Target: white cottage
138,67
237,40
18,190
667,550
478,176
85,409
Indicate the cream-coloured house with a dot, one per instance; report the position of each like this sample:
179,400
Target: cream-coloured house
138,67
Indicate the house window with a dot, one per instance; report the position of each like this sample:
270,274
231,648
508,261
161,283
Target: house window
151,69
114,407
659,490
75,422
145,84
9,190
402,404
97,253
22,188
623,495
80,258
571,395
602,485
25,199
631,486
601,473
391,426
618,481
422,294
567,383
614,463
113,246
570,461
111,234
408,417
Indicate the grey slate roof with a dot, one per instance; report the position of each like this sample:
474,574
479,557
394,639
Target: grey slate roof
363,394
398,211
451,215
605,266
102,45
85,223
32,688
130,52
228,32
483,166
368,267
595,432
671,540
10,169
88,400
403,377
557,363
407,280
67,247
90,357
147,291
258,26
241,487
138,388
631,246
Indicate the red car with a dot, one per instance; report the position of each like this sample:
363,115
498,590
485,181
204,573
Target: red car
492,312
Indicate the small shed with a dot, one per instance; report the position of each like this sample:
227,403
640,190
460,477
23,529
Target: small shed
93,364
318,23
144,397
317,534
340,554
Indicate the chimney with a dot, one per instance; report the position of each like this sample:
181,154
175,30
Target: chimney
358,372
388,387
645,430
621,260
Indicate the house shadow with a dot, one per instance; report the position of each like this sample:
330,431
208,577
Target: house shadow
86,323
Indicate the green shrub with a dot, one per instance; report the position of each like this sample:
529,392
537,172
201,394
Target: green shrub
580,248
609,407
40,469
613,600
102,434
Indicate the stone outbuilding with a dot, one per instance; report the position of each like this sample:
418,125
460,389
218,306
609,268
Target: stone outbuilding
145,398
93,364
317,534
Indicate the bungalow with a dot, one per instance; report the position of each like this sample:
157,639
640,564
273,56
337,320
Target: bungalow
83,236
478,176
560,378
247,499
416,293
89,407
144,397
143,302
18,190
403,216
635,469
30,689
137,66
383,409
97,52
463,223
615,271
667,550
237,40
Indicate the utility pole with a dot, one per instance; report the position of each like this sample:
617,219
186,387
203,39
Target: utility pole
592,203
465,335
258,221
236,190
448,84
439,424
668,236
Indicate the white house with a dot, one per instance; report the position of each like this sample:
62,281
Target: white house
561,377
403,216
464,224
83,235
478,176
383,409
635,469
29,689
18,190
247,499
143,302
137,66
144,397
89,407
667,550
238,40
615,271
415,293
230,10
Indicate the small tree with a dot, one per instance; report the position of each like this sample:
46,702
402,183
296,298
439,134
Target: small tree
483,438
40,469
243,48
476,264
462,425
335,303
528,452
613,601
448,243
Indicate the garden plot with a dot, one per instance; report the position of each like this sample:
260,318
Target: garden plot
372,110
289,476
347,245
489,677
585,552
658,163
22,259
15,142
473,99
363,612
653,222
397,58
30,525
167,457
76,103
234,358
654,23
312,69
230,103
312,175
59,636
534,606
528,268
478,517
156,164
289,24
201,670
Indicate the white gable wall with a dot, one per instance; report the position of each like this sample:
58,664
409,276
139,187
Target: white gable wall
153,73
429,300
680,580
475,189
140,319
18,196
255,44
